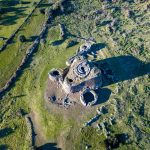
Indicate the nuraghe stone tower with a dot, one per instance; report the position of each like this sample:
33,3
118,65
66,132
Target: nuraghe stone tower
80,76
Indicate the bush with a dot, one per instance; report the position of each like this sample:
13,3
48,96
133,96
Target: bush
42,10
1,11
22,38
34,3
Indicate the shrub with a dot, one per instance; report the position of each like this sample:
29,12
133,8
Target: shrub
42,10
22,38
1,10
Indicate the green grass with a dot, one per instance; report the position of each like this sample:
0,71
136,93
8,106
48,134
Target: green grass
32,82
131,94
14,17
89,136
12,56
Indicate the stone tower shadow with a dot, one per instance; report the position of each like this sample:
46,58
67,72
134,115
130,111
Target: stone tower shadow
5,132
103,95
123,68
48,146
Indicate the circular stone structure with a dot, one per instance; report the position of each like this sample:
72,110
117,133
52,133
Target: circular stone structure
67,85
54,74
70,60
88,97
83,69
85,47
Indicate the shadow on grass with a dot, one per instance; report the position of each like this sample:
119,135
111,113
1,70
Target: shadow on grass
98,46
8,3
67,6
75,36
24,3
18,96
123,68
72,43
6,19
104,23
31,39
113,142
103,95
57,43
6,131
3,38
48,146
3,147
45,5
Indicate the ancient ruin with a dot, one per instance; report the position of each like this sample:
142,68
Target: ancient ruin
79,80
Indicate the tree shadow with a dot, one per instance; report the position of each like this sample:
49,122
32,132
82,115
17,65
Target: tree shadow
96,47
122,68
25,2
45,5
122,138
57,43
67,6
93,120
104,23
72,43
3,147
68,34
48,146
31,39
18,96
8,3
3,38
7,20
113,142
4,132
33,131
103,95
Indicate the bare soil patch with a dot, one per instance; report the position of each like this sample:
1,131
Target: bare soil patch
39,137
75,110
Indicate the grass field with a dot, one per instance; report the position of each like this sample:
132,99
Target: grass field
14,16
13,54
129,100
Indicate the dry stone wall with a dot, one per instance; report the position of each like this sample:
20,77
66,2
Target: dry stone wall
29,52
8,41
31,132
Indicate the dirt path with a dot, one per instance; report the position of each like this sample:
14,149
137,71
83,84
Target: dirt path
39,136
